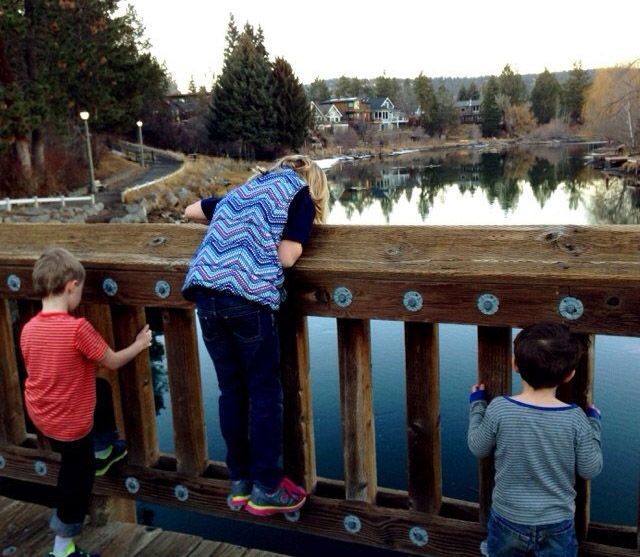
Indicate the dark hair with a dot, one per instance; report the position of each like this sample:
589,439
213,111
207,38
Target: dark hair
545,353
53,270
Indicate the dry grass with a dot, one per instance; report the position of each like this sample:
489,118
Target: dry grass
111,164
205,176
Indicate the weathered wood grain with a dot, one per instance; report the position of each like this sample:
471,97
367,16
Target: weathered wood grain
580,391
299,453
136,389
423,416
494,370
12,424
356,404
185,388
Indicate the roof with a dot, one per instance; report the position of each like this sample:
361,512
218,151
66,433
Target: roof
375,103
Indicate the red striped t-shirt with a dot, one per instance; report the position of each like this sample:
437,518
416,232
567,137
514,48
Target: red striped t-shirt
60,353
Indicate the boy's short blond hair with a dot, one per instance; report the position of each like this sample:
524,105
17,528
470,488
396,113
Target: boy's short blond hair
53,270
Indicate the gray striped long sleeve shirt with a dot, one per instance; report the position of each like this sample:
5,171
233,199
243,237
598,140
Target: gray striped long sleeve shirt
538,452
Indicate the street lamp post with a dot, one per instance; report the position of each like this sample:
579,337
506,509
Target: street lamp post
84,115
139,124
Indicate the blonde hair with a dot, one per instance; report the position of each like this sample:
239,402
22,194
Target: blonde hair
53,270
315,178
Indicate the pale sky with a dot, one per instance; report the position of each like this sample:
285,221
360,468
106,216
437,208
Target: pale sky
454,38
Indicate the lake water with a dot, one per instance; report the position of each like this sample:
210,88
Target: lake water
542,186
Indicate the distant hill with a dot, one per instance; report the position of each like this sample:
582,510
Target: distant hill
453,84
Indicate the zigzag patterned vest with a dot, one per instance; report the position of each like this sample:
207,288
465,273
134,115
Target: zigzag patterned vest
239,252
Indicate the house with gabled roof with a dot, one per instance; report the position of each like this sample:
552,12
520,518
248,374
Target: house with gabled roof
469,111
353,109
384,113
325,114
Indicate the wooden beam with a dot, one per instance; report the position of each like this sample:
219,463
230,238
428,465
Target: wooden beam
423,416
494,370
358,438
580,391
185,387
12,424
299,439
136,388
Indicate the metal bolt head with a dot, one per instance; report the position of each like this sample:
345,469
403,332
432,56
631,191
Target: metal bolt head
13,282
412,300
571,308
3,462
110,287
342,296
9,550
181,492
418,536
162,289
488,304
40,467
132,485
352,524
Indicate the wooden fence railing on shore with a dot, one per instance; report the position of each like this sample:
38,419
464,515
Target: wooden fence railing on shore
493,277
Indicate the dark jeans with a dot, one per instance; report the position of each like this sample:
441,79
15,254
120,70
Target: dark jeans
78,466
75,482
242,340
509,539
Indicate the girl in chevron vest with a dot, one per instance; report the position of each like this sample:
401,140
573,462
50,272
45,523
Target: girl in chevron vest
235,279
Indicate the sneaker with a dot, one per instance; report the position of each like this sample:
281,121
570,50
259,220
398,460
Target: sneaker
240,494
287,497
77,552
118,451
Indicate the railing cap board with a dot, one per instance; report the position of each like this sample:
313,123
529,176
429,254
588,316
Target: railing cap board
595,255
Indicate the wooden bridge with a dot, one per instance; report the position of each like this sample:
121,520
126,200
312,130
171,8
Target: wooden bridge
493,277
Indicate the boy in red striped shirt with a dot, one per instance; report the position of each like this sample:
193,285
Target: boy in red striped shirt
60,353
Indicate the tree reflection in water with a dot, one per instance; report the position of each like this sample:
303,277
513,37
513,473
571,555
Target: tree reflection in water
503,177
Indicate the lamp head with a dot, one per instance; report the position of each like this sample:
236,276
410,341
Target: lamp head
139,123
84,115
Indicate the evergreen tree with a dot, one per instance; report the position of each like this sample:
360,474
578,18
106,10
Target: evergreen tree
386,87
59,58
318,90
231,37
545,97
444,115
293,115
574,92
425,95
473,93
343,87
489,109
463,95
511,85
192,87
242,109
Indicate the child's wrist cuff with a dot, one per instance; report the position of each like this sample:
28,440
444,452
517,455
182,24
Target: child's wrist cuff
477,395
593,413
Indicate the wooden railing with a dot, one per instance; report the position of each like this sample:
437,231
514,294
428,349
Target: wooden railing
493,277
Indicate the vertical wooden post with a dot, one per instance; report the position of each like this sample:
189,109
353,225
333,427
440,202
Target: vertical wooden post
185,387
12,424
136,389
358,438
423,416
580,391
299,452
104,509
494,370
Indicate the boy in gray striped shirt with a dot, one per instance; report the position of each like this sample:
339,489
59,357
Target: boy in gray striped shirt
539,444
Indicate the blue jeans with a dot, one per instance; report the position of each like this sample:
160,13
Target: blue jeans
509,539
243,342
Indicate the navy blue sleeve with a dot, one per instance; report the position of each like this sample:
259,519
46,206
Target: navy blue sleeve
299,218
208,206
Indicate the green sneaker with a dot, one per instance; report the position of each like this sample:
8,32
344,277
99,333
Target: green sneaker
239,495
117,453
286,498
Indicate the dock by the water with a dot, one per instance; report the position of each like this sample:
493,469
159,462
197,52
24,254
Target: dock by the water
24,532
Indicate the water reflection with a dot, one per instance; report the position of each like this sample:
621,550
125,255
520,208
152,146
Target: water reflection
519,181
